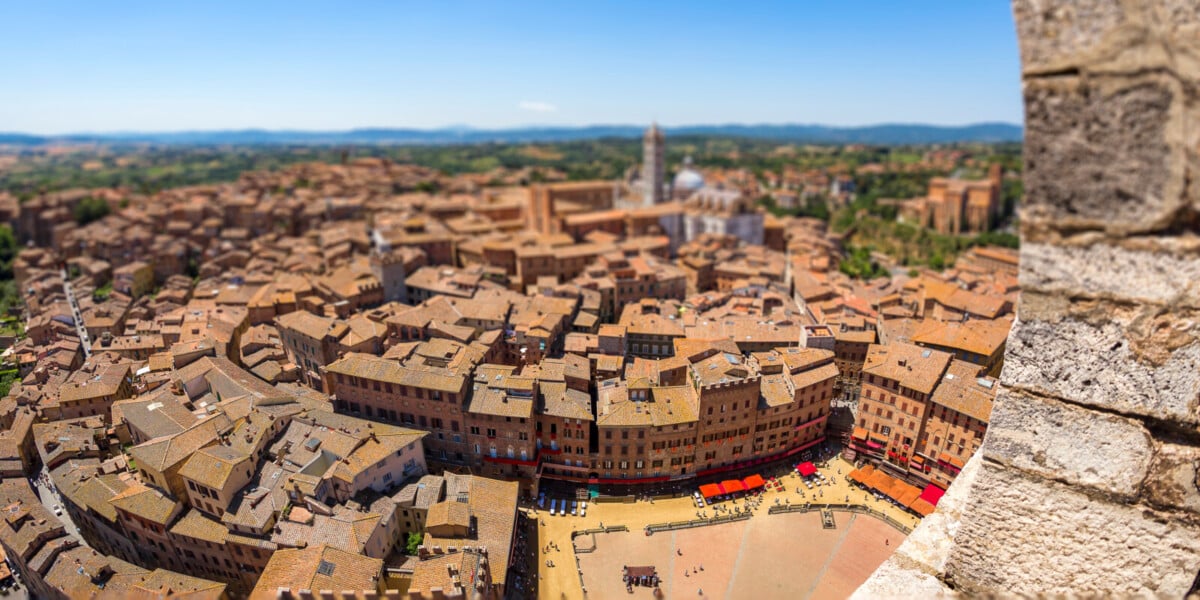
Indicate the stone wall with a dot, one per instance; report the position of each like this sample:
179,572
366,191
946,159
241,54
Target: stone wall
1088,478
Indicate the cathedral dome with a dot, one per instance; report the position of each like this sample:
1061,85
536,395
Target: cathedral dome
688,178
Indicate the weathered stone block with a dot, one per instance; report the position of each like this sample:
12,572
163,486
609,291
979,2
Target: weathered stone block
1104,153
1056,35
1068,443
1110,36
1174,480
1024,535
1129,362
1154,274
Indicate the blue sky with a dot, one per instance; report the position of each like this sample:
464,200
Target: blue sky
165,66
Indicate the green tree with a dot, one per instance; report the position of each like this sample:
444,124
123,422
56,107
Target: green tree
90,209
937,261
414,541
858,263
8,251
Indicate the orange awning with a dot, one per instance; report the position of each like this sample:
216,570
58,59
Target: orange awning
946,458
921,507
732,485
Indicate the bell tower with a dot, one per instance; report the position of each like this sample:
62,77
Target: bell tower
652,166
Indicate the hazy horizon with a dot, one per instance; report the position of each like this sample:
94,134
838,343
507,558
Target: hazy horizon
530,126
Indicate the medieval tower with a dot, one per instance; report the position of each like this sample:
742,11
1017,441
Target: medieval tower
652,166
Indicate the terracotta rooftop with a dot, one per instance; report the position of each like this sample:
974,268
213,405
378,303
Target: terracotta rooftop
912,366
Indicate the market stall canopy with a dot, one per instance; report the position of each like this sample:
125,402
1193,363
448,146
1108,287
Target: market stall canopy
932,494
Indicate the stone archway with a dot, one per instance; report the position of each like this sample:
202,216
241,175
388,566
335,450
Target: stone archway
1088,481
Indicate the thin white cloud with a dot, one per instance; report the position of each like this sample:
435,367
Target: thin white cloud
536,106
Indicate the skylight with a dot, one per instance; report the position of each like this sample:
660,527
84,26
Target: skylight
325,568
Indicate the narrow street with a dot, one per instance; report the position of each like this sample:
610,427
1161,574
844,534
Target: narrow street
76,316
50,500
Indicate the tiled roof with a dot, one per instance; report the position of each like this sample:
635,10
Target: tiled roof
196,525
375,368
312,326
980,337
164,452
560,401
493,504
670,405
212,466
912,366
318,567
145,502
104,383
345,529
963,390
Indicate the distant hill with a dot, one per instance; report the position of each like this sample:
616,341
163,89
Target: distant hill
887,134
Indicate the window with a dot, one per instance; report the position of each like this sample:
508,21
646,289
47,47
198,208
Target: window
325,568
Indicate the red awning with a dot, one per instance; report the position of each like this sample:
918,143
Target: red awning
710,490
732,485
806,469
874,444
932,494
754,482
